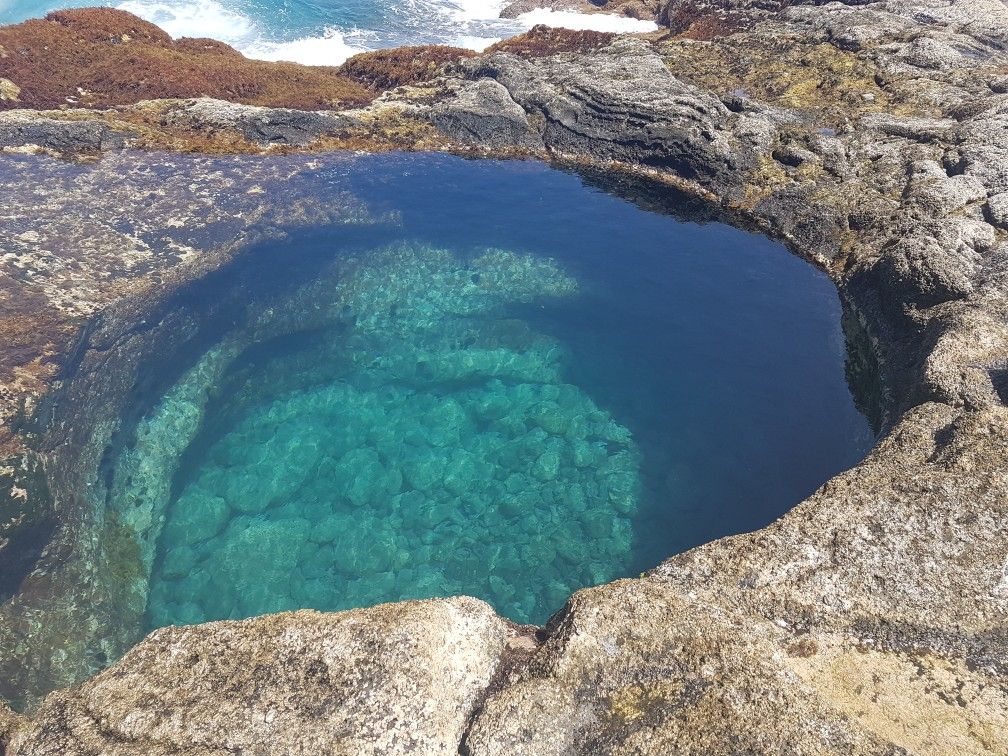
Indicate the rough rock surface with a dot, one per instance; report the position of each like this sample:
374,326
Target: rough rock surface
71,137
873,617
842,647
391,679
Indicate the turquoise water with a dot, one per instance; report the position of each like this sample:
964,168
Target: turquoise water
520,387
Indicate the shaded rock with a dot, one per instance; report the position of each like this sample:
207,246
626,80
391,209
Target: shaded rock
262,125
400,678
70,137
484,113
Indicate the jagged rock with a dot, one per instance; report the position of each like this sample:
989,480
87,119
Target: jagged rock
398,678
69,137
260,125
484,113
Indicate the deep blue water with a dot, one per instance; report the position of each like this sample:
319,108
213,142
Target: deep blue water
603,388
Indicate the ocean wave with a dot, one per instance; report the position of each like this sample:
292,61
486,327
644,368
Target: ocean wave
603,22
330,49
205,18
475,10
473,24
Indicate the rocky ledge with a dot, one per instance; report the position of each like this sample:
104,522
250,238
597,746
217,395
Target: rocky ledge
872,618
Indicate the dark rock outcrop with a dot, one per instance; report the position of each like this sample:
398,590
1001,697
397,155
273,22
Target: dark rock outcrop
65,137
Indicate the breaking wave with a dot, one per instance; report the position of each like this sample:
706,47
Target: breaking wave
327,32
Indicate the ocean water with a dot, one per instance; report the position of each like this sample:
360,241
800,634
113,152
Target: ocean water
327,32
520,386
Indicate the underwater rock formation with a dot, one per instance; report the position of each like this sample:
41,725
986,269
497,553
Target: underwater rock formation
432,442
873,618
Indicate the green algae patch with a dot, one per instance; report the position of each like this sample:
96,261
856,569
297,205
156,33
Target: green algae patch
422,441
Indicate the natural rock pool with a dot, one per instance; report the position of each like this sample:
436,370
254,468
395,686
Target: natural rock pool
511,386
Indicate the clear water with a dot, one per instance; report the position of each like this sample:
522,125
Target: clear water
519,387
326,32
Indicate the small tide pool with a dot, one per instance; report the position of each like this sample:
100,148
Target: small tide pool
515,386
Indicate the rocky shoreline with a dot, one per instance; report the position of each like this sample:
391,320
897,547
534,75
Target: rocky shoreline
872,618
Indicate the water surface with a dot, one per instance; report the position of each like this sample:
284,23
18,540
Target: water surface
520,387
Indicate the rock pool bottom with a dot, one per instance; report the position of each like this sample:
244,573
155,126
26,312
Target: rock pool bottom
430,415
421,444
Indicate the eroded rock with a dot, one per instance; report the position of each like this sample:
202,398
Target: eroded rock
398,678
870,619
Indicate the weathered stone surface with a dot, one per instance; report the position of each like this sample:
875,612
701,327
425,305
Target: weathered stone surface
621,104
824,624
86,136
393,679
872,618
997,209
484,114
260,125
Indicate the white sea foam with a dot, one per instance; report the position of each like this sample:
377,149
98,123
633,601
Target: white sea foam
475,10
474,24
473,42
331,49
202,18
603,22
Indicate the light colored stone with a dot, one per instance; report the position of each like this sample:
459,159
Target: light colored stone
997,209
9,90
393,679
